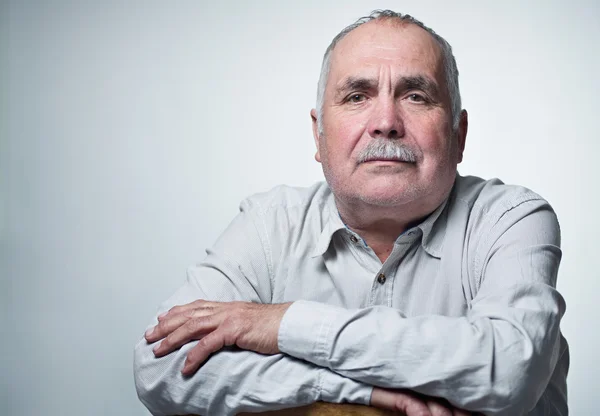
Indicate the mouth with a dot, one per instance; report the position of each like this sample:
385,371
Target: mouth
384,160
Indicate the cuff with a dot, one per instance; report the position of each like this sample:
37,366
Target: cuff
305,331
338,389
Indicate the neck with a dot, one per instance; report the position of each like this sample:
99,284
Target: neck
380,226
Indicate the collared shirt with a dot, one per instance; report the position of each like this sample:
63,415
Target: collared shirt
465,308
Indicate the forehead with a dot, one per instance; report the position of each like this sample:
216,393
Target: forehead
402,49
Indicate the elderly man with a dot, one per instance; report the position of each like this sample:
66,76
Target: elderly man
398,283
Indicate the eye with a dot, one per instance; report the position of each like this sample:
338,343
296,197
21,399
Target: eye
417,98
356,98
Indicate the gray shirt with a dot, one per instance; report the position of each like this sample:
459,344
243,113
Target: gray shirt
464,308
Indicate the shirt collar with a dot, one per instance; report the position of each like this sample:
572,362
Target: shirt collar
331,223
433,230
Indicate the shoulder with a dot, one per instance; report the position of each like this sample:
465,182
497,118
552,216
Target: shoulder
493,195
288,199
289,210
492,203
289,219
492,208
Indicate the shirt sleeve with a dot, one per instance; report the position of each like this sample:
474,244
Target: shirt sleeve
497,359
232,380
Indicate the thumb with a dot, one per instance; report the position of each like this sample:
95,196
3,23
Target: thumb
404,402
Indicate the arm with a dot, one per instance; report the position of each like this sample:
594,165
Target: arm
231,380
497,359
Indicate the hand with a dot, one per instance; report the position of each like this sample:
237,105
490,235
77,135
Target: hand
413,404
250,326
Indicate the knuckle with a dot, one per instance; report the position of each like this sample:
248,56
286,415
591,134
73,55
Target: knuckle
230,321
438,409
204,342
415,407
190,326
172,339
232,329
163,325
236,322
167,327
167,342
192,354
194,325
402,403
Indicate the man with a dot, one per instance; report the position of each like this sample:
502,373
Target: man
398,283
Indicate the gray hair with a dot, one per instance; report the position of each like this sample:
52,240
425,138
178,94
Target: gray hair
450,68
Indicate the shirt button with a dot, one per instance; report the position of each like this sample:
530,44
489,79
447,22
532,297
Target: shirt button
353,238
381,278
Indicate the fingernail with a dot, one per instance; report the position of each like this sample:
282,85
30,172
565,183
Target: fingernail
156,348
149,332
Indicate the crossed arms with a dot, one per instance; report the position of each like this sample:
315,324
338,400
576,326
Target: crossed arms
497,359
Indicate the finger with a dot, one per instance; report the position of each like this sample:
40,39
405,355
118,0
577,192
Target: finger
399,401
383,399
411,405
438,409
192,330
165,327
211,343
170,323
415,407
176,310
197,304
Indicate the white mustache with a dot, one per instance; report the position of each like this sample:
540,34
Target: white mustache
388,150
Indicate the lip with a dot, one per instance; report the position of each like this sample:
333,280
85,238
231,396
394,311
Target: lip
386,161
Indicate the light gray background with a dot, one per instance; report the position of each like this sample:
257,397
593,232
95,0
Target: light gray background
130,131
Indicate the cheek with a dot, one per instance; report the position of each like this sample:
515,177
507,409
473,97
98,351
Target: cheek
343,136
434,138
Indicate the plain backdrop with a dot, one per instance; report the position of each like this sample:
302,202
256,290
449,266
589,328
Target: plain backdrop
130,131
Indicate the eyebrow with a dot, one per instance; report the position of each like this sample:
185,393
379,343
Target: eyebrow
356,84
406,83
419,82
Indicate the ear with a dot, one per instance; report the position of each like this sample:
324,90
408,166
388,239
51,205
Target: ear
315,129
463,126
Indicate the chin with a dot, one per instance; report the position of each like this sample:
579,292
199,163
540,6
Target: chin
383,201
389,197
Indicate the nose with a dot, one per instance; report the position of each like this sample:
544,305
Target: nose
386,121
